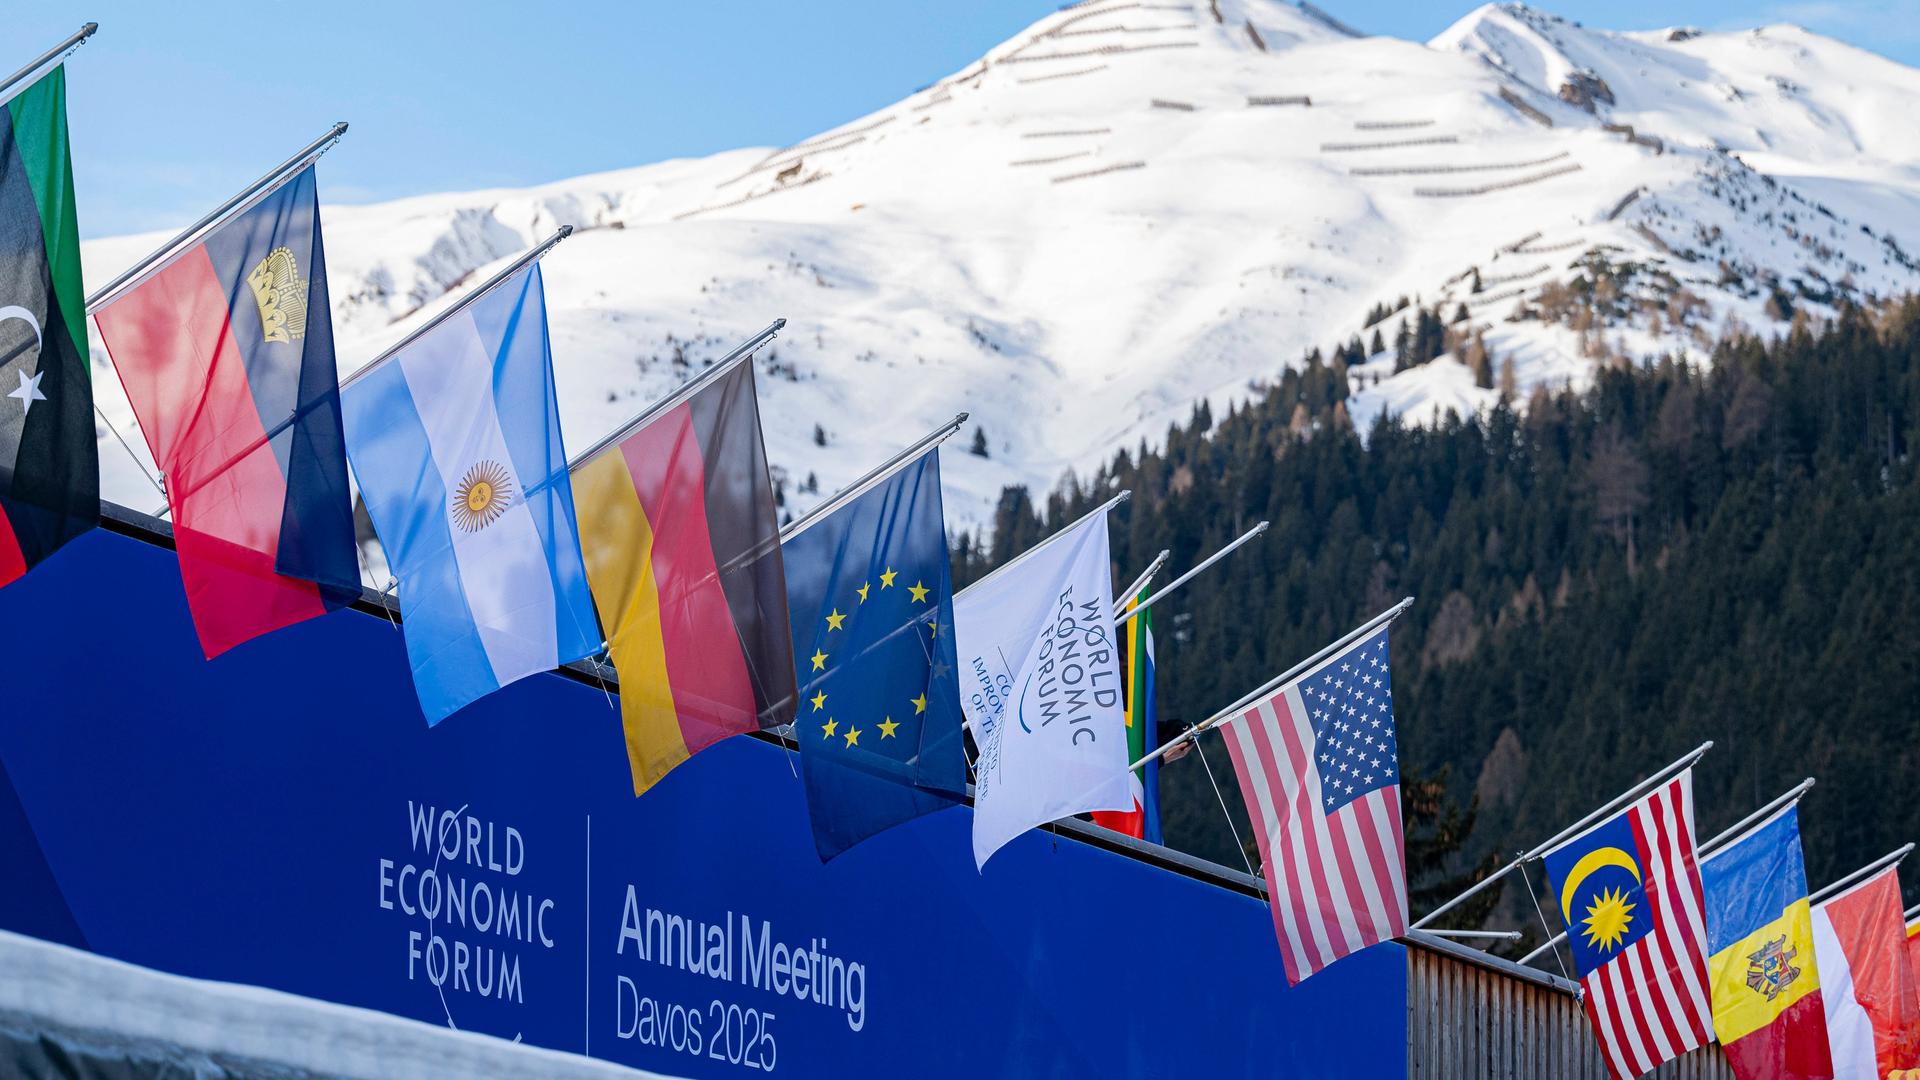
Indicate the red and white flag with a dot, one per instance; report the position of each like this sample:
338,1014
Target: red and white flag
1866,984
1318,769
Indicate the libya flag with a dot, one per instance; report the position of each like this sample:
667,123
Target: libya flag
49,466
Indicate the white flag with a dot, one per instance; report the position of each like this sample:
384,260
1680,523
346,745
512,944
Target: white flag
1040,684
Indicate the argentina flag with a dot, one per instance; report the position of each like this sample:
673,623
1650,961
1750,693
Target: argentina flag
456,443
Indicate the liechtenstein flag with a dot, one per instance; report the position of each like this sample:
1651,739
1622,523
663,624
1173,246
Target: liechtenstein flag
226,353
456,443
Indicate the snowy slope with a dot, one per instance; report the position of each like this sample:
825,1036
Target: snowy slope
1131,206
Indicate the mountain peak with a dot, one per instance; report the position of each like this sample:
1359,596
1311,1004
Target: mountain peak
1134,205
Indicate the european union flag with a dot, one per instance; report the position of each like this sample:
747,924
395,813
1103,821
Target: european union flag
870,596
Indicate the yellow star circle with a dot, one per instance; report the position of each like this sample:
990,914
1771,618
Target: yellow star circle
919,592
819,660
887,727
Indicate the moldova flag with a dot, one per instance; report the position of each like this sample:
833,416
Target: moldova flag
871,597
1765,985
49,467
682,547
226,353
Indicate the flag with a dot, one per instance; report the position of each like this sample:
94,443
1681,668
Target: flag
1765,985
1631,897
878,721
1143,821
1867,986
682,547
456,443
1041,687
49,467
226,353
1319,771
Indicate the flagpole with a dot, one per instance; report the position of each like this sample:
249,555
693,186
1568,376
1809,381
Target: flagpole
526,258
1189,575
1572,830
73,41
1282,679
1880,863
1153,568
1481,935
1724,839
681,393
252,193
1911,912
294,417
866,483
1117,499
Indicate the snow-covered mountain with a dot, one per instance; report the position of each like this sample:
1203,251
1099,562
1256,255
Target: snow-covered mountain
1131,206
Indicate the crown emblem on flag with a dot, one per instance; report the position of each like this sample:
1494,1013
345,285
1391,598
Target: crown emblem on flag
282,295
1770,968
483,494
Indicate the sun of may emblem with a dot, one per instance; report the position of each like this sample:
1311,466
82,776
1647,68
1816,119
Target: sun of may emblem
1770,968
1607,919
483,495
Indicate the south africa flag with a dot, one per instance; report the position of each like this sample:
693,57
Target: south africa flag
49,468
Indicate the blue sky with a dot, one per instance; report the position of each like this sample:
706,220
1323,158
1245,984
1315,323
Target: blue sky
174,105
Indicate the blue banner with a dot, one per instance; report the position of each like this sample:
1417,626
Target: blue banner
282,816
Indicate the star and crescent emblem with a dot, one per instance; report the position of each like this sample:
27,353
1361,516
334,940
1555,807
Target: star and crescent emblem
29,390
1609,913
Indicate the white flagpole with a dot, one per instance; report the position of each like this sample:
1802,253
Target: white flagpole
1277,681
1880,863
681,393
1572,830
365,369
73,41
1152,569
1724,839
531,255
1191,574
247,197
1117,499
873,478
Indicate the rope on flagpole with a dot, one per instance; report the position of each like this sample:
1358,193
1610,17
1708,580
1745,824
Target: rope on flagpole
1542,915
128,447
1239,844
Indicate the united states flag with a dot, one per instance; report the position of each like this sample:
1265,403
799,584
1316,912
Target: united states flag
1630,888
1317,766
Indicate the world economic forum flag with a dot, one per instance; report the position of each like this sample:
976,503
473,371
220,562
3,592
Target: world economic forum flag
878,722
1041,686
456,443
